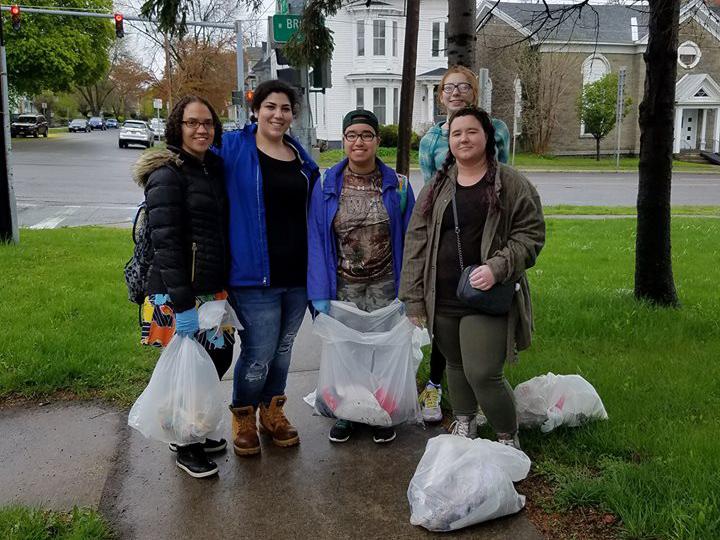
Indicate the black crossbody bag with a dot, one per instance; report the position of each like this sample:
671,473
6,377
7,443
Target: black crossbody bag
496,300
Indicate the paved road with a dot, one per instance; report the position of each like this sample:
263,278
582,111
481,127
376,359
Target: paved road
84,178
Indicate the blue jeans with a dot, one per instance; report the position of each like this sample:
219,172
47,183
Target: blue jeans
271,318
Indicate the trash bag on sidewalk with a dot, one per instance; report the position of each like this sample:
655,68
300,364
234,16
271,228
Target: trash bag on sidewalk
553,400
182,403
461,482
368,365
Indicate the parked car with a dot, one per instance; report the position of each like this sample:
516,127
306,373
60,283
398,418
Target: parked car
112,123
97,123
79,124
29,124
157,126
136,132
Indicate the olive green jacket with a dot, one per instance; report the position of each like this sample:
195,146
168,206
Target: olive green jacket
512,239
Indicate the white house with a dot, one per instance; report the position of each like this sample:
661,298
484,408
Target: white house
367,65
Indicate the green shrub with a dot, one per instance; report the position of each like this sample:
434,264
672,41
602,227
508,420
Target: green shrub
389,137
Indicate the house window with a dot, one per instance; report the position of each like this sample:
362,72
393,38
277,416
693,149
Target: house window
594,68
379,38
436,39
361,38
396,105
359,98
394,38
688,55
446,38
379,104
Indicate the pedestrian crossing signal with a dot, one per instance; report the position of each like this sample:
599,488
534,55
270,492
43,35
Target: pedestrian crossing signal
119,25
15,16
249,96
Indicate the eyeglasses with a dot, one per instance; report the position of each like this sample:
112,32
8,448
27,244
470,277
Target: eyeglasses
195,124
462,87
366,136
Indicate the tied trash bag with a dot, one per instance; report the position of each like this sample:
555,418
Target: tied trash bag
182,403
368,364
553,400
461,482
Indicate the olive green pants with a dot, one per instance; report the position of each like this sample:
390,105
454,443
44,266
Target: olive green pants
474,347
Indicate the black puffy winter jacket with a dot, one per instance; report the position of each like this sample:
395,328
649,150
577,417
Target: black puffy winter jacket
187,214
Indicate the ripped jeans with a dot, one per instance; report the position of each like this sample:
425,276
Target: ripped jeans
271,318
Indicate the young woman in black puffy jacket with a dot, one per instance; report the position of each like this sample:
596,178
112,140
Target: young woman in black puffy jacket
187,215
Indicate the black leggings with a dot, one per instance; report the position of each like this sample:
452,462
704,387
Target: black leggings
222,358
437,364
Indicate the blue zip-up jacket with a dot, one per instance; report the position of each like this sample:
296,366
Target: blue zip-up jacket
247,235
322,244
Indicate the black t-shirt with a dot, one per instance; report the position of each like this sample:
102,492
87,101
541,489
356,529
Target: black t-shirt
285,196
472,208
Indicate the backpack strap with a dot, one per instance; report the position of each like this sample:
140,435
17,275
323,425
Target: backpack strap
402,190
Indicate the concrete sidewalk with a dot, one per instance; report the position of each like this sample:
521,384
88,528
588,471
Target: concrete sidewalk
63,454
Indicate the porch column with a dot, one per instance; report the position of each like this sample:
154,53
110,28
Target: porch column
678,128
704,128
716,135
430,104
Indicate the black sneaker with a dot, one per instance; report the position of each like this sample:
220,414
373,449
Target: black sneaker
383,434
210,446
341,431
192,460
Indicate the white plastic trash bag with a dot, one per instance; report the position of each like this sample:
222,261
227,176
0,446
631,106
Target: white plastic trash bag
216,314
367,368
461,482
552,400
182,403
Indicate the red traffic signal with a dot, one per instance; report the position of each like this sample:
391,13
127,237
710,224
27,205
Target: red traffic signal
249,96
15,16
119,25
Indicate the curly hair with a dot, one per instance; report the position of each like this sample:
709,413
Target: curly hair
471,79
488,180
173,130
266,88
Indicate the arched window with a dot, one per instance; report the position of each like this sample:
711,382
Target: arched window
594,68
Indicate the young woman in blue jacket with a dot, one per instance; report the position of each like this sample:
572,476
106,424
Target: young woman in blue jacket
356,228
269,179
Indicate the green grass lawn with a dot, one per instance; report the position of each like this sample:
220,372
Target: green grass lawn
67,326
22,523
388,155
680,210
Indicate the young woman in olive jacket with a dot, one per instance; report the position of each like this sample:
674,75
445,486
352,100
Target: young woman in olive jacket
502,230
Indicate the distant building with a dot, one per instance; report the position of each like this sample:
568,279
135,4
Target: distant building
579,51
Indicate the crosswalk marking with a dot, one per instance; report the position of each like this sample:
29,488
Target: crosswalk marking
52,222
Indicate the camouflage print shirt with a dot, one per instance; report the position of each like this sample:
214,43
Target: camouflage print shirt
362,229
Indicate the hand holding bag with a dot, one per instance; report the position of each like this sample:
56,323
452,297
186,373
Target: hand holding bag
496,300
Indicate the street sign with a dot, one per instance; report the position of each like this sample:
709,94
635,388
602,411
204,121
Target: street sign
284,26
43,105
157,103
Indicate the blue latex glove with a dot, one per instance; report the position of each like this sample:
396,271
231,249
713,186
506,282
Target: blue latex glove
161,299
323,306
187,323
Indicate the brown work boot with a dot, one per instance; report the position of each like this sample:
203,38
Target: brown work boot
244,428
274,422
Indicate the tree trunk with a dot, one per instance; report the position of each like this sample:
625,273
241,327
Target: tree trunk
653,262
461,33
407,90
597,148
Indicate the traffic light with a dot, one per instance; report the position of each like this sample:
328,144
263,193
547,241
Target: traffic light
119,29
249,96
15,16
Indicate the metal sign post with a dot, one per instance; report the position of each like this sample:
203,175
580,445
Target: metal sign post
516,115
620,108
8,206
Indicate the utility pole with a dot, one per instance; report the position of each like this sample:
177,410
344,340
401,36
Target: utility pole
239,58
407,90
8,208
461,34
168,72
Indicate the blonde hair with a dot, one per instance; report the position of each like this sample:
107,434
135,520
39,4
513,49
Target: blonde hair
471,79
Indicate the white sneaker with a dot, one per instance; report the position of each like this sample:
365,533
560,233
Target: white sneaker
514,441
430,402
464,426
